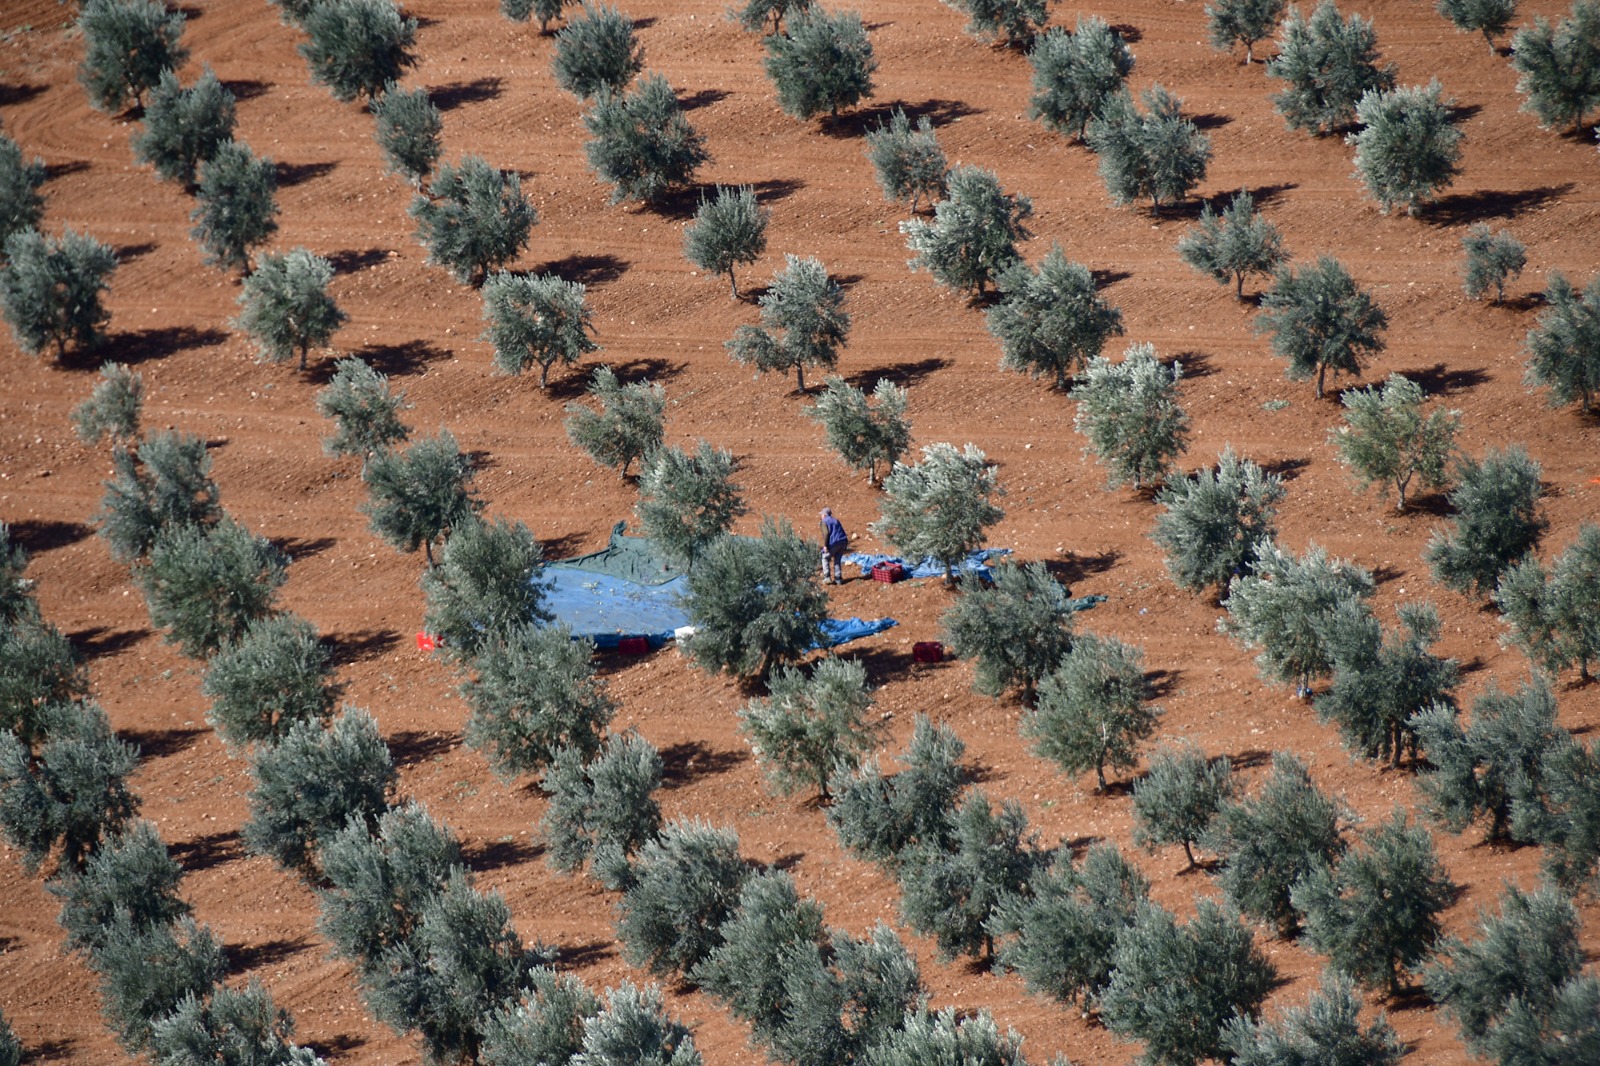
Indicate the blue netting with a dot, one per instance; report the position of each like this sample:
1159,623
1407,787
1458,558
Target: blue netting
976,563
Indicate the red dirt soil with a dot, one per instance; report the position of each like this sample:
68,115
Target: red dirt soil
655,318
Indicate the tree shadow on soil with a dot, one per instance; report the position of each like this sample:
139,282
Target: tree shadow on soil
1250,758
335,1047
245,957
1462,207
142,345
53,171
772,190
938,112
1075,567
587,269
574,956
208,850
351,260
1287,469
11,95
647,368
414,745
460,93
1196,364
1440,380
52,1051
292,174
1104,279
499,854
38,535
127,253
1162,683
246,88
297,548
350,648
99,641
394,360
903,375
703,98
689,760
1210,121
160,743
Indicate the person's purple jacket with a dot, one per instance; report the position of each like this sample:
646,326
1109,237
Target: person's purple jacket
834,536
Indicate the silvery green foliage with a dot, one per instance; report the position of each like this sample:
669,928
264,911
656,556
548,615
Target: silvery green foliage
228,1027
687,501
1386,440
1408,145
487,584
165,485
236,206
1497,521
1495,765
285,305
1488,17
878,818
823,63
1212,521
629,425
747,971
147,970
803,323
407,127
1377,915
1177,987
542,1025
1158,154
113,408
974,232
951,892
71,795
926,1039
846,998
131,876
11,1048
183,128
1491,260
475,219
1517,987
1380,682
1075,73
1061,934
1013,23
21,206
1050,322
634,1029
364,409
461,960
205,586
1564,348
127,46
810,724
1571,821
536,321
602,811
314,782
378,882
1325,1032
357,47
1094,708
39,669
276,675
16,592
729,229
522,10
293,12
755,14
1320,321
1283,604
1555,618
1130,413
417,495
50,290
596,52
1242,21
1559,66
940,507
1016,628
533,693
1327,64
908,162
641,142
1177,799
865,434
1234,245
1287,831
684,885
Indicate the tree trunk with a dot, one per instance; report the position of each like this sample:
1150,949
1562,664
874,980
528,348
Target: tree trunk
544,374
427,550
1400,487
1189,852
1322,370
1100,772
1238,285
733,284
304,348
800,375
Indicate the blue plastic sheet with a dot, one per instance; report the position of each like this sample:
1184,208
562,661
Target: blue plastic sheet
976,563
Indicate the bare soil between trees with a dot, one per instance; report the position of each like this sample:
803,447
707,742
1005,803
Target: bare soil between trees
656,318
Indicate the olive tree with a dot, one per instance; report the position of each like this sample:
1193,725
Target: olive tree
596,51
1242,21
50,290
1320,321
908,162
685,885
522,10
1158,154
1177,799
974,232
1074,74
1212,521
1130,413
228,1025
1325,1032
183,128
1497,521
1013,23
1555,617
147,970
747,971
1327,63
1094,708
1385,440
205,586
940,507
807,306
165,484
274,676
285,305
358,47
21,206
236,206
1015,629
1557,65
417,495
1491,260
635,1028
113,408
364,409
1564,348
641,142
39,669
810,726
1408,145
878,818
132,877
407,127
604,810
475,219
1488,17
1234,245
865,434
1051,322
540,321
729,229
543,1024
534,693
688,500
628,426
487,584
823,63
127,46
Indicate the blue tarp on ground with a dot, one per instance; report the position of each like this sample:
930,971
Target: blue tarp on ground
606,606
976,563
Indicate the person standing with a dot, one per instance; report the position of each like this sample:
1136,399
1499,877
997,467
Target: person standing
834,542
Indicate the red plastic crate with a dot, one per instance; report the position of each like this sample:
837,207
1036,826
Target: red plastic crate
888,573
633,646
427,641
927,651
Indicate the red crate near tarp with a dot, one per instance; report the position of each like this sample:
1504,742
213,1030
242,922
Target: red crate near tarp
889,573
427,641
633,646
927,651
